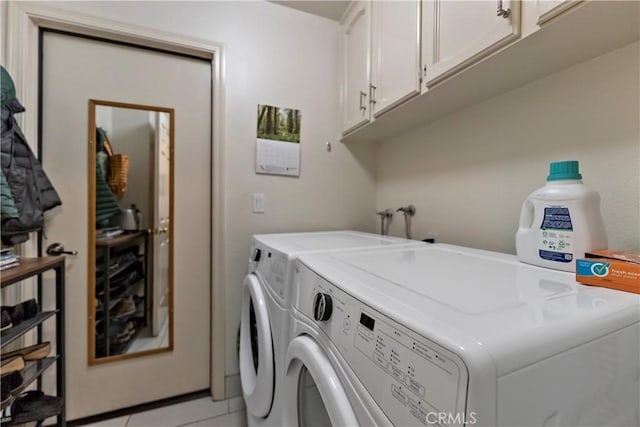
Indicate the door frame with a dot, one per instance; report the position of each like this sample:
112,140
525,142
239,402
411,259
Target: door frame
24,22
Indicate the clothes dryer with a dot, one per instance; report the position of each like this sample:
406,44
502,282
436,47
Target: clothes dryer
265,319
444,335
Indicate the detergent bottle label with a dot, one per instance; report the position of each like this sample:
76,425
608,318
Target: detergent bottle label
556,235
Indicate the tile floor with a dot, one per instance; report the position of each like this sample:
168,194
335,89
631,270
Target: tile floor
200,412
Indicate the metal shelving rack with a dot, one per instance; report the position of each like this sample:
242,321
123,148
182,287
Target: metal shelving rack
105,249
30,267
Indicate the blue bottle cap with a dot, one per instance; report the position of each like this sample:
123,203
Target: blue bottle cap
568,169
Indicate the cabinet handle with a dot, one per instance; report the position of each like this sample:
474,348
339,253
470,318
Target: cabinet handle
502,11
362,106
372,94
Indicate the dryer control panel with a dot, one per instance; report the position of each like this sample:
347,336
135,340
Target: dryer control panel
273,268
412,379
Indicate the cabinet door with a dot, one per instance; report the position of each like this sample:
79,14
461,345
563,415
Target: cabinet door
356,48
396,53
549,9
459,33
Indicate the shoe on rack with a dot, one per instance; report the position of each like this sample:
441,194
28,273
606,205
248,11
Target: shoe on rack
126,279
22,311
129,333
30,309
125,307
34,405
11,364
115,292
33,352
16,314
6,322
5,392
10,383
117,329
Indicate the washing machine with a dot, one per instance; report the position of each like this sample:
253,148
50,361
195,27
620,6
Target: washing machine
441,335
265,321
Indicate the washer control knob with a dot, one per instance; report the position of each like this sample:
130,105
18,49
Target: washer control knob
322,307
257,253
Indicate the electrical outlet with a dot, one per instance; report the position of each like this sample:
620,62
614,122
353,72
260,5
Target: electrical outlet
258,202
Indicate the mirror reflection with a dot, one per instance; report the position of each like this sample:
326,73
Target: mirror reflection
130,294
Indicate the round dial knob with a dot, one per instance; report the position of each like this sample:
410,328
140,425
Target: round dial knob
322,307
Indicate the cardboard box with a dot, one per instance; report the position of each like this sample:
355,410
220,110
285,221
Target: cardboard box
610,269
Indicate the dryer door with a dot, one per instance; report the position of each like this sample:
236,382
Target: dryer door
256,349
313,392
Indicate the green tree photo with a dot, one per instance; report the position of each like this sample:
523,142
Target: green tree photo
279,124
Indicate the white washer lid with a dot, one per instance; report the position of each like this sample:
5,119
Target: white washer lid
327,240
286,248
466,298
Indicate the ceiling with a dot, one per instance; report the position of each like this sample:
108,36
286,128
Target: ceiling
332,9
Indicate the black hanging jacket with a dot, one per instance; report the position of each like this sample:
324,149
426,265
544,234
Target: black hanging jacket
32,192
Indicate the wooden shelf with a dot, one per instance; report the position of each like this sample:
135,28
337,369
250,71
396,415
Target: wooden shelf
120,240
29,267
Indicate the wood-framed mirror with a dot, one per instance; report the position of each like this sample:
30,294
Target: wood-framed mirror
130,271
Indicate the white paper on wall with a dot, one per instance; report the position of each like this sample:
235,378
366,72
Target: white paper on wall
278,141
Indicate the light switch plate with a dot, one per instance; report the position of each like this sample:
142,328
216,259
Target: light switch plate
258,202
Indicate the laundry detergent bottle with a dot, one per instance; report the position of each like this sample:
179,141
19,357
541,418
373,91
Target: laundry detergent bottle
560,221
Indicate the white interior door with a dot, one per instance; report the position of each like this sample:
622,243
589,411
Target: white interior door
161,223
75,70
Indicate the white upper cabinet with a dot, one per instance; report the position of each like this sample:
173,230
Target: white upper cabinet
396,53
471,50
548,9
456,34
356,52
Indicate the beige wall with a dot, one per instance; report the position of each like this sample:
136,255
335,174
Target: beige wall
278,56
133,135
469,172
3,24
